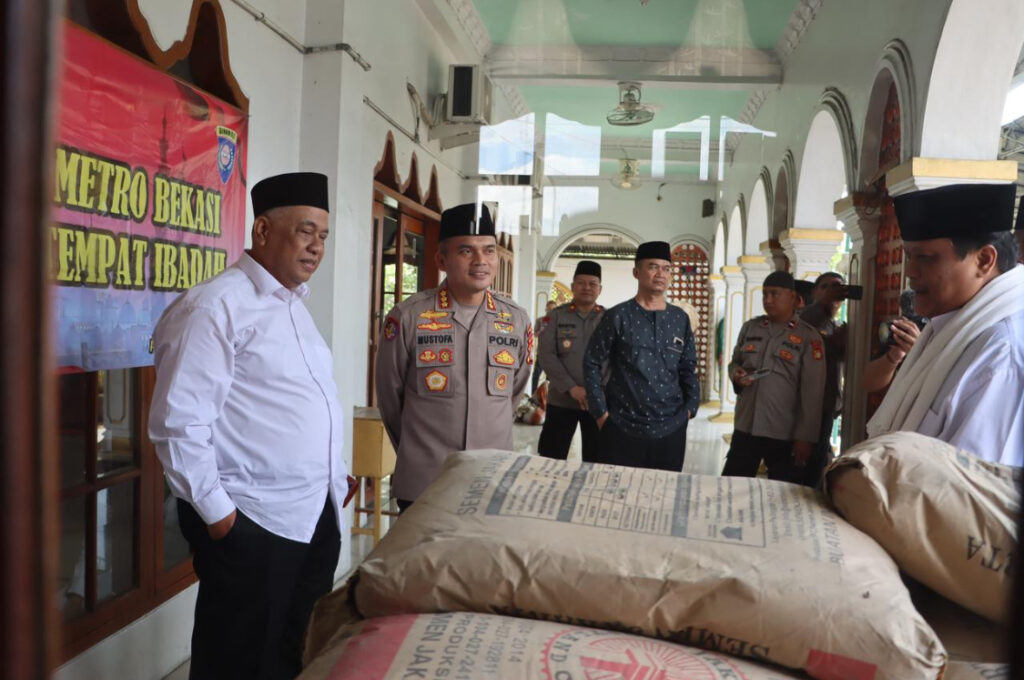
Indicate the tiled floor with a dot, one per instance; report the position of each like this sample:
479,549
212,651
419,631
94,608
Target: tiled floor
705,454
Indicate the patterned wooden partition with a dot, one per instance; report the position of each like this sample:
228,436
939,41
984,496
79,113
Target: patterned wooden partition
889,260
690,283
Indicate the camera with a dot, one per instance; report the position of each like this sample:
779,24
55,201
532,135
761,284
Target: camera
907,312
854,292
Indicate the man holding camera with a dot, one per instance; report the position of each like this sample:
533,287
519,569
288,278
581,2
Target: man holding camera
778,371
828,292
962,381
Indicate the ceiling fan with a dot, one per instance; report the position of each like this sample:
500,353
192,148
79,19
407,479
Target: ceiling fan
630,110
629,174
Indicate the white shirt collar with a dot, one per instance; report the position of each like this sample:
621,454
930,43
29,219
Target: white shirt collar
265,282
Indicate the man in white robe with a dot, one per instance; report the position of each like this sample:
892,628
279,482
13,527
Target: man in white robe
963,380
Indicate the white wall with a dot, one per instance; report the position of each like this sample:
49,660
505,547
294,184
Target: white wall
617,282
639,214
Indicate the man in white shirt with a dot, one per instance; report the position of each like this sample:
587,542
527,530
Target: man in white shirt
246,423
962,381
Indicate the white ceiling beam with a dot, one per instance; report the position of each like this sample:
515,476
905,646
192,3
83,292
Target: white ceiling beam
683,67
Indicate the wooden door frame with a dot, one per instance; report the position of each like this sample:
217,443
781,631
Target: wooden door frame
28,462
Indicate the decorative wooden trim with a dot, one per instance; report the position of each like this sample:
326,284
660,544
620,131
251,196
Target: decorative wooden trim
385,172
204,47
403,200
433,198
411,188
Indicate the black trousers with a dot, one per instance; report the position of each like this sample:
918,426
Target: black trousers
821,455
559,427
256,593
620,448
747,451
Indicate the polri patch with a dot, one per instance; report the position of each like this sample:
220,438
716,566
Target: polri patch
435,381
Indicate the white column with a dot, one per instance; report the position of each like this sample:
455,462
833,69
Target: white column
526,268
734,294
860,215
544,281
773,252
810,251
755,269
716,311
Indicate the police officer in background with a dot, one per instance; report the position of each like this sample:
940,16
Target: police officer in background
828,292
560,356
778,371
452,359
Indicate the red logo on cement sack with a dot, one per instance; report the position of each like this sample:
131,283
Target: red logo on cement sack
585,653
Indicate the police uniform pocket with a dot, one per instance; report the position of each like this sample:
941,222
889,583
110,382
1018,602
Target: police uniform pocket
566,342
499,381
434,381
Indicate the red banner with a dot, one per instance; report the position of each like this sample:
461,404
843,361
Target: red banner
149,199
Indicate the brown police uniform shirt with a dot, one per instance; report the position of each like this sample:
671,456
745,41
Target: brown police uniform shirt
560,350
786,404
447,380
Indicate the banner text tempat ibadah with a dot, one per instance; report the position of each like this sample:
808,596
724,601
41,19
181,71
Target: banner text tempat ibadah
149,200
110,187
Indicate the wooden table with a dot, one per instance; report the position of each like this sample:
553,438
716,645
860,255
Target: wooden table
373,457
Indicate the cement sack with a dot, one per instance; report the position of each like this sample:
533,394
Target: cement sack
977,671
948,518
745,567
965,635
489,647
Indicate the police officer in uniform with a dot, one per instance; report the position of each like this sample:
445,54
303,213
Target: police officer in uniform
453,359
778,371
560,355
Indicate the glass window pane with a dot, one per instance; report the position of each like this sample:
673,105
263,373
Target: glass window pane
388,303
75,428
412,265
115,450
73,450
115,541
71,598
176,548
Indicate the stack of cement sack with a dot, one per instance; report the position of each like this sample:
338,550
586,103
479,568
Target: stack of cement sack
743,568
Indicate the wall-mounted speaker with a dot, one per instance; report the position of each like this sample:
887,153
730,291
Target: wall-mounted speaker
707,208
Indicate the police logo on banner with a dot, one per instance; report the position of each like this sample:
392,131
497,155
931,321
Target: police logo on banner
227,145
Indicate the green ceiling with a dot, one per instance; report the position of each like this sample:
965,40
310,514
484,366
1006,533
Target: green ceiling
665,23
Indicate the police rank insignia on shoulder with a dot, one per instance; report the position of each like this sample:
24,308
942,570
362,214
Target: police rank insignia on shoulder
817,350
433,326
435,381
504,327
431,315
390,328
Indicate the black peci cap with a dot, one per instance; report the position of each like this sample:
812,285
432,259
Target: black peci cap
587,268
462,221
292,188
780,280
955,210
654,250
